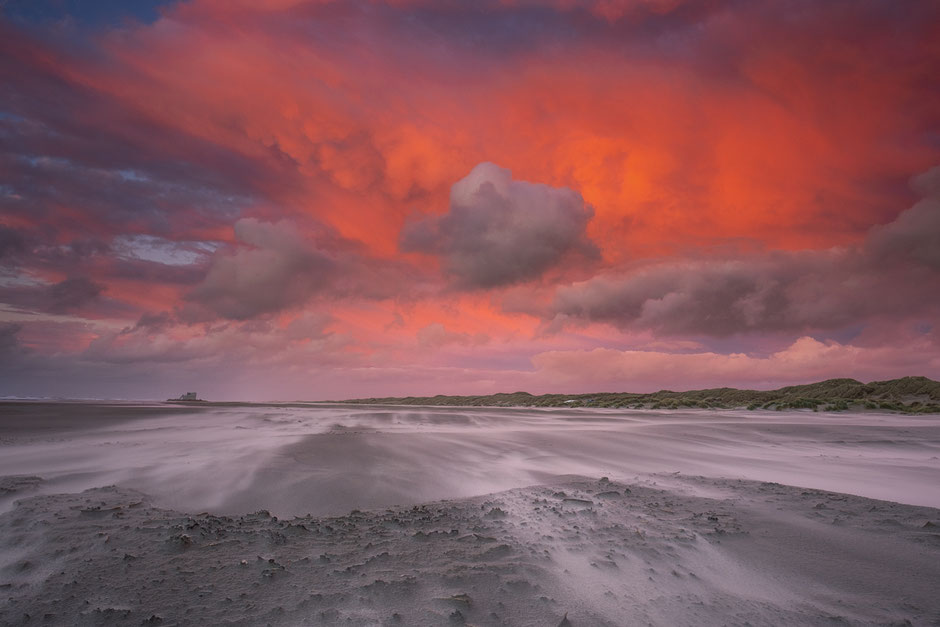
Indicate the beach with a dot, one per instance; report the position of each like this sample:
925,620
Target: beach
299,513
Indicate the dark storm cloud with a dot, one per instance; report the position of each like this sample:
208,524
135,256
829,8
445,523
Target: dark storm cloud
894,272
499,231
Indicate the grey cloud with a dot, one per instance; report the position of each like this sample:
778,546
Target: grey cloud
31,252
927,184
8,341
12,243
75,294
499,231
894,271
273,269
72,294
153,272
153,321
914,236
708,297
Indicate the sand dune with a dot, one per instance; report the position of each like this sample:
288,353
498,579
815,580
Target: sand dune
694,527
600,552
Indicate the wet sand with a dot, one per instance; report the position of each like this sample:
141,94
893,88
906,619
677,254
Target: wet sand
695,526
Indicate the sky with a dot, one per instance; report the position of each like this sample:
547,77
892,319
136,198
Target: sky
326,199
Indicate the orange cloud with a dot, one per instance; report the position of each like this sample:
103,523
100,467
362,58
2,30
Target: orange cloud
671,155
709,135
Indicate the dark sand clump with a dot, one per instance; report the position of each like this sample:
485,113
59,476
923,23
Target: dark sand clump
17,484
672,550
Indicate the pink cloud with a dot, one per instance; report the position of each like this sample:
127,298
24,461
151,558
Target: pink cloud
436,335
803,361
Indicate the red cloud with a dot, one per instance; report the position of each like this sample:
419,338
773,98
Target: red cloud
731,150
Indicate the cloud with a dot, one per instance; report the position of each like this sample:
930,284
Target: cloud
12,243
914,236
308,326
279,266
247,342
72,294
122,174
611,10
270,269
152,322
8,340
891,273
436,335
499,231
806,359
690,130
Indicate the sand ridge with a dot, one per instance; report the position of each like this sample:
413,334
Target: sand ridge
597,551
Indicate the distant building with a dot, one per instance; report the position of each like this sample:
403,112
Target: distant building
188,396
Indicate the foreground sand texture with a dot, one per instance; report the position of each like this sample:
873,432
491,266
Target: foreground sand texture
603,553
660,548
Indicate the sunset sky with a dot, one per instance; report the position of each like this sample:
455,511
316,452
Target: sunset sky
323,199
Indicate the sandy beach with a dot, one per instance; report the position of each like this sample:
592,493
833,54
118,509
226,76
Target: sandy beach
370,515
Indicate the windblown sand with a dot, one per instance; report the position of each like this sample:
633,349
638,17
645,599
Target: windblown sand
693,527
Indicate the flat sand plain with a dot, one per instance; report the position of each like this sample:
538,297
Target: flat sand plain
371,515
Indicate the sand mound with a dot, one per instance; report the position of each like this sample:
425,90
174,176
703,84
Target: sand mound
673,550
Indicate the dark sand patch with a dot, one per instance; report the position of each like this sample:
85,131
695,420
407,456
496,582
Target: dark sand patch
17,484
21,420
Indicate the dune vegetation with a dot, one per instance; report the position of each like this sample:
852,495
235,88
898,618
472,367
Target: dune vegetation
908,394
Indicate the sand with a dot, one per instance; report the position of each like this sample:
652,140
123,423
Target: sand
693,527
